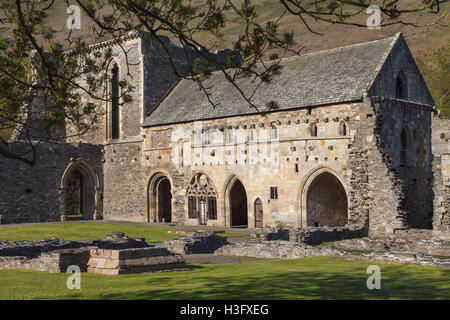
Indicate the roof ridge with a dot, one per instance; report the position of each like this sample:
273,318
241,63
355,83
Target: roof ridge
340,48
395,37
383,60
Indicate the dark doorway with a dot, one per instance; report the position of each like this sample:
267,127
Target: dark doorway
164,201
79,197
74,196
238,205
259,214
327,202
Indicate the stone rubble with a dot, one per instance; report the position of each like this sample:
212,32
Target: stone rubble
115,254
317,235
200,242
291,250
119,254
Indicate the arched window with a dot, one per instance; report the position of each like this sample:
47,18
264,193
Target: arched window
313,130
115,128
342,128
401,87
403,147
202,199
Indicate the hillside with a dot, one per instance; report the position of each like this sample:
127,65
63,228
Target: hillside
419,38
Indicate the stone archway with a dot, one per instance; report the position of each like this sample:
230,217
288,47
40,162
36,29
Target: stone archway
326,202
160,199
238,205
79,189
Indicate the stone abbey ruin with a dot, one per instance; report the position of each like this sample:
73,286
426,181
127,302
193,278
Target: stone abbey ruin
346,139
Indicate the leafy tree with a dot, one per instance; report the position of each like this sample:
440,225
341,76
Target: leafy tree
435,67
65,71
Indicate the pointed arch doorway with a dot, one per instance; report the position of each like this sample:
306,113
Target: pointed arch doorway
160,199
79,187
238,205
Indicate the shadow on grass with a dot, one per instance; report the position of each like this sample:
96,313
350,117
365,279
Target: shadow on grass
397,282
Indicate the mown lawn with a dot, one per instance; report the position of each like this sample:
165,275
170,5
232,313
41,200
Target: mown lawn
308,278
91,231
83,231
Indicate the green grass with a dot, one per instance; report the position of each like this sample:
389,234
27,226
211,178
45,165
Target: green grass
83,231
90,231
308,278
233,234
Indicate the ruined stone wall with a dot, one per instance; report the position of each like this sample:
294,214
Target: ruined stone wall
128,57
400,191
289,162
441,175
159,76
125,180
401,59
123,198
32,194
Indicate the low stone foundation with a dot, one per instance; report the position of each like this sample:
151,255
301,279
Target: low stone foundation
115,254
290,250
134,260
317,235
428,246
52,255
55,261
200,242
270,234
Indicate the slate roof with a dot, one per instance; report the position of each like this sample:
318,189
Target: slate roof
325,77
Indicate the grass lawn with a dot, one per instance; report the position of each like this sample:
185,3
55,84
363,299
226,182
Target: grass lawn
83,231
91,231
308,278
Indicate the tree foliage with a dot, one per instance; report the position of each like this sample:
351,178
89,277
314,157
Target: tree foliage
435,67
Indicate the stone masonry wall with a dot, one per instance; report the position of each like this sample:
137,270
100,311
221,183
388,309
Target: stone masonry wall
401,59
287,162
441,176
32,194
125,180
128,58
401,193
